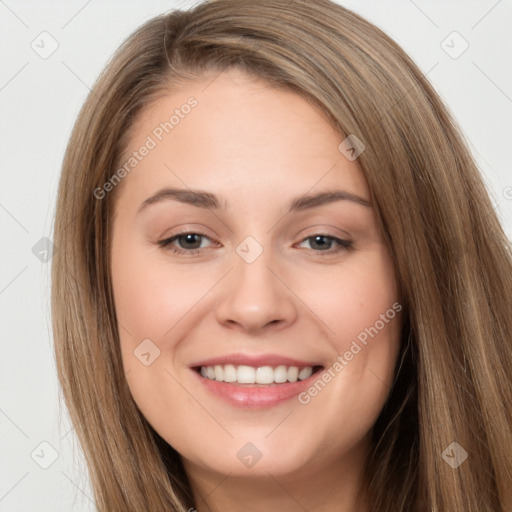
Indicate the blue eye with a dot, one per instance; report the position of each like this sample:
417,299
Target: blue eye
191,239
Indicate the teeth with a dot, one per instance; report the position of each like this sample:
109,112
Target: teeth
262,375
281,374
305,373
219,372
246,375
230,373
293,374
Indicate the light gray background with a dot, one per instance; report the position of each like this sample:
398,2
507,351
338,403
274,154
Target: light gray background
39,101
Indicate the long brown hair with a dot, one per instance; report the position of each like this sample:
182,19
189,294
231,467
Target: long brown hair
453,260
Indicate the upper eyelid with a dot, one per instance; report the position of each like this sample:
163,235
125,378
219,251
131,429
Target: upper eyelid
320,231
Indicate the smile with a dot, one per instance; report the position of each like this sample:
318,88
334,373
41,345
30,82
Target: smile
243,374
259,386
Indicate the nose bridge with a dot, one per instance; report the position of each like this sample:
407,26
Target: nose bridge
254,296
252,263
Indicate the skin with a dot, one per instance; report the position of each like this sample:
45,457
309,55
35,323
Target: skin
258,148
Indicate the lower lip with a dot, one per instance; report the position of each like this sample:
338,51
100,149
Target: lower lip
257,396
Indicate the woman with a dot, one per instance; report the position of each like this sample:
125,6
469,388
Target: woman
254,372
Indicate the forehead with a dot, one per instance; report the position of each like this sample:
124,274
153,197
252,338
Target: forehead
233,132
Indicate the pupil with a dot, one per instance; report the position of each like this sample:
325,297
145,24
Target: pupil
316,238
189,239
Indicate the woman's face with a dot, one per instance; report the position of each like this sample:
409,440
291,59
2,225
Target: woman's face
273,281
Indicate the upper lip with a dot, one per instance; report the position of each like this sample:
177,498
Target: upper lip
255,361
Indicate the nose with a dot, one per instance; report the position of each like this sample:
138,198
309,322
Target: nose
255,296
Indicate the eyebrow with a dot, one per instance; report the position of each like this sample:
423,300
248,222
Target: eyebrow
207,200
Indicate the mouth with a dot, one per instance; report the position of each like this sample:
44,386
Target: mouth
255,387
261,376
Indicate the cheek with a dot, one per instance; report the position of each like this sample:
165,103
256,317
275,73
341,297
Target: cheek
142,308
159,306
363,316
350,298
149,303
150,299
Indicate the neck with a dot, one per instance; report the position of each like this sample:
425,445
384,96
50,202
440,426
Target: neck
326,486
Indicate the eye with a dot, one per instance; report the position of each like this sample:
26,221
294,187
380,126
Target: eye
319,241
190,243
186,239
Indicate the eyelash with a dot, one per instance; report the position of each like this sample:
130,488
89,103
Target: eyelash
343,245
